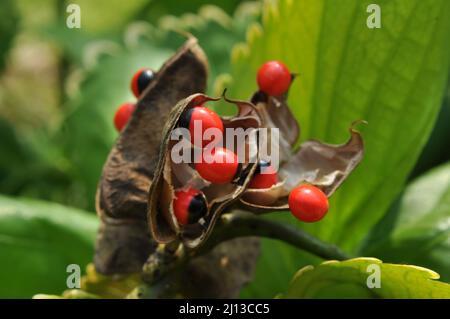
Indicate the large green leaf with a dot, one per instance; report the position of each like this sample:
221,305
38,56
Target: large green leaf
38,240
436,151
348,279
417,229
393,77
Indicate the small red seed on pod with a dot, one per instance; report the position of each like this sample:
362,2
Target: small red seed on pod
189,206
219,168
203,119
122,115
264,177
273,78
308,203
140,80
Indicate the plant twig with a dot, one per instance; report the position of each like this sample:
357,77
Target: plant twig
243,224
166,261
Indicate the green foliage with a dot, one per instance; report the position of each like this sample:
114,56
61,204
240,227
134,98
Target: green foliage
33,167
417,229
157,9
145,10
348,279
13,152
38,241
8,28
436,151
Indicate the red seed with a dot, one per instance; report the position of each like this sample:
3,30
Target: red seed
266,180
222,167
122,115
274,78
140,80
200,116
189,206
308,203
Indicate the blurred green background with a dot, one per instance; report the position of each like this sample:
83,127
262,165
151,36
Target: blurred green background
60,87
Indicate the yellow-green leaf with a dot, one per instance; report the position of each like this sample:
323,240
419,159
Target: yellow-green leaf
350,278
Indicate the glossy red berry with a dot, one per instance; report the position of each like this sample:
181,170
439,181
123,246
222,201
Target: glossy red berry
273,78
122,115
266,180
220,167
308,203
141,79
198,119
189,206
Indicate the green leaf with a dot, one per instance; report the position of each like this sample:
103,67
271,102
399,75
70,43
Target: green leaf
393,77
350,278
436,151
38,240
417,229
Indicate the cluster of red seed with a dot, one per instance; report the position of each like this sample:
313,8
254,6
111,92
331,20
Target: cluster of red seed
306,202
222,168
141,79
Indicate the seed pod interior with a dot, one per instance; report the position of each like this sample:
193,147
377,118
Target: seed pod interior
323,165
171,175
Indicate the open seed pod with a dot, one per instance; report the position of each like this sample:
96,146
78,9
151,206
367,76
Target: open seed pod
323,165
171,174
124,242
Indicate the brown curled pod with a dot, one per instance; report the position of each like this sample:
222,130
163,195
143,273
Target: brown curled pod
323,165
275,113
172,174
124,242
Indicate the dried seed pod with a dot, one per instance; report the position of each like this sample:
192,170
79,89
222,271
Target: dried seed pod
323,165
275,113
171,174
124,242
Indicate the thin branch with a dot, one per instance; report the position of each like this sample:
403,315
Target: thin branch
244,224
163,265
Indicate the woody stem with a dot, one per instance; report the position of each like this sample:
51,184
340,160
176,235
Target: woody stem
244,224
166,261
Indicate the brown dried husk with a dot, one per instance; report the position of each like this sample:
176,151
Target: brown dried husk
124,242
323,165
170,176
